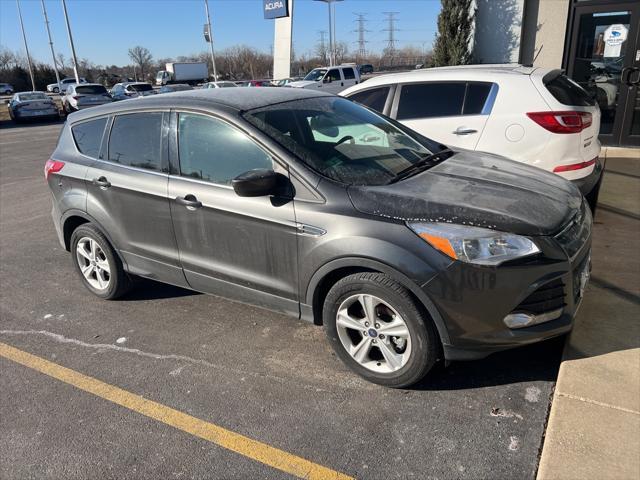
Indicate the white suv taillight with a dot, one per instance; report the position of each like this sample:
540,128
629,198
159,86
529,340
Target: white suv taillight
562,122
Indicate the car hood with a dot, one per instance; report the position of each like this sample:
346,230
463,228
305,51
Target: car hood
479,189
301,83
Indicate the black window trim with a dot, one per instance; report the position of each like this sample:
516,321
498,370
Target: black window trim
164,164
175,171
486,109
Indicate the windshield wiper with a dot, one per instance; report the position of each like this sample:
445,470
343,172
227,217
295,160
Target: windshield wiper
423,164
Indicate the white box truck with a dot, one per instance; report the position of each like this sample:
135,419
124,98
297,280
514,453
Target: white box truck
183,72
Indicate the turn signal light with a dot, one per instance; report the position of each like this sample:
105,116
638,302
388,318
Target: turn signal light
562,122
52,166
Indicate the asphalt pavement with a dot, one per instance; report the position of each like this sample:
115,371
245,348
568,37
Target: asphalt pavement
259,374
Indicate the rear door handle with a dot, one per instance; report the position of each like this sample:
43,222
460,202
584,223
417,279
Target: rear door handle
464,131
189,201
101,182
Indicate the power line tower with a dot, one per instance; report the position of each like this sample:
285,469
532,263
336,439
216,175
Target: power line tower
362,43
391,29
322,46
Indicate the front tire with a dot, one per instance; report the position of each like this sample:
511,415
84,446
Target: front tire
379,331
96,262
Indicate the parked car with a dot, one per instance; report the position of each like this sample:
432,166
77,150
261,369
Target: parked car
256,83
285,81
64,83
532,115
6,88
309,204
366,69
329,79
219,84
176,87
126,90
32,105
84,95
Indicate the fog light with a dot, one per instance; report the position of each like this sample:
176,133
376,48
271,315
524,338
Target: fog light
522,319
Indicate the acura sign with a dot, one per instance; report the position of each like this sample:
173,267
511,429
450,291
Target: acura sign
275,9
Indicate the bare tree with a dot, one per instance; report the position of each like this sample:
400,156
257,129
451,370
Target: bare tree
7,58
141,57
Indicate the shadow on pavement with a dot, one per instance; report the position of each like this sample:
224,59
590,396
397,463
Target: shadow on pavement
523,364
10,124
149,290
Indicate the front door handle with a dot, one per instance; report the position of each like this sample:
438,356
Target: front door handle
464,131
101,182
189,201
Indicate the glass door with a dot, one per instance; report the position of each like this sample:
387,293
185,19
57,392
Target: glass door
604,58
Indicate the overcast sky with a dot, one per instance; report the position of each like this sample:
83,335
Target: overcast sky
105,29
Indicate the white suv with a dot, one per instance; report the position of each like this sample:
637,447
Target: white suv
531,115
64,83
329,79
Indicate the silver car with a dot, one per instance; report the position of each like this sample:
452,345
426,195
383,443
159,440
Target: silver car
219,85
84,95
126,90
64,83
6,88
31,105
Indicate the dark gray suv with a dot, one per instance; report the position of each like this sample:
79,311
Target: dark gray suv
309,204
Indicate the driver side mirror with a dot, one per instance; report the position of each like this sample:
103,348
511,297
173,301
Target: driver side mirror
259,182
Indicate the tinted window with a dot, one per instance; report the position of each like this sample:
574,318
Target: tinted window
334,75
348,73
141,87
374,98
213,151
568,92
477,94
88,136
91,90
135,140
430,100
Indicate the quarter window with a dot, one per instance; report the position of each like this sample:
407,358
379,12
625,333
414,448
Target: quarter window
374,98
88,136
477,94
424,100
135,140
211,150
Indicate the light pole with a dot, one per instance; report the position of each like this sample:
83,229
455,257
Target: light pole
73,49
26,47
213,57
53,54
332,28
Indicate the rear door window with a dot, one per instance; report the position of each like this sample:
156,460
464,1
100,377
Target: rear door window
212,150
88,136
348,73
374,98
433,99
568,92
135,140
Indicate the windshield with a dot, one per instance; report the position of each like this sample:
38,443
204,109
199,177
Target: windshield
91,90
25,97
141,87
316,74
342,140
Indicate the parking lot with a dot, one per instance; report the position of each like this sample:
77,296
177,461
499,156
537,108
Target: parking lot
239,372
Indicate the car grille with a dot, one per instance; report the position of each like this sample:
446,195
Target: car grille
577,232
547,298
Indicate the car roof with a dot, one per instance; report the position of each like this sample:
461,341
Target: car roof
239,99
27,91
485,72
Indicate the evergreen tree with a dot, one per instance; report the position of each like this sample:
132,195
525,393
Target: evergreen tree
455,25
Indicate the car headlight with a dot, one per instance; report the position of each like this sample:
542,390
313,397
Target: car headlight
480,246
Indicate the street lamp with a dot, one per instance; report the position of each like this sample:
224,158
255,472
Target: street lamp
332,28
73,48
209,38
26,47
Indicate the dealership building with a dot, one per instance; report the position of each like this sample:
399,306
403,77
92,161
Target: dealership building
597,42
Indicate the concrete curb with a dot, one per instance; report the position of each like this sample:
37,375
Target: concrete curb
593,431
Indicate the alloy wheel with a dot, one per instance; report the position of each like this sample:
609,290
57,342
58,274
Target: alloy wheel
373,333
93,263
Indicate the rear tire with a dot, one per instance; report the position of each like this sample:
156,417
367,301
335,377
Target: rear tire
97,264
391,360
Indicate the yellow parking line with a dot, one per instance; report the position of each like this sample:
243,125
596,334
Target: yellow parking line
253,449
